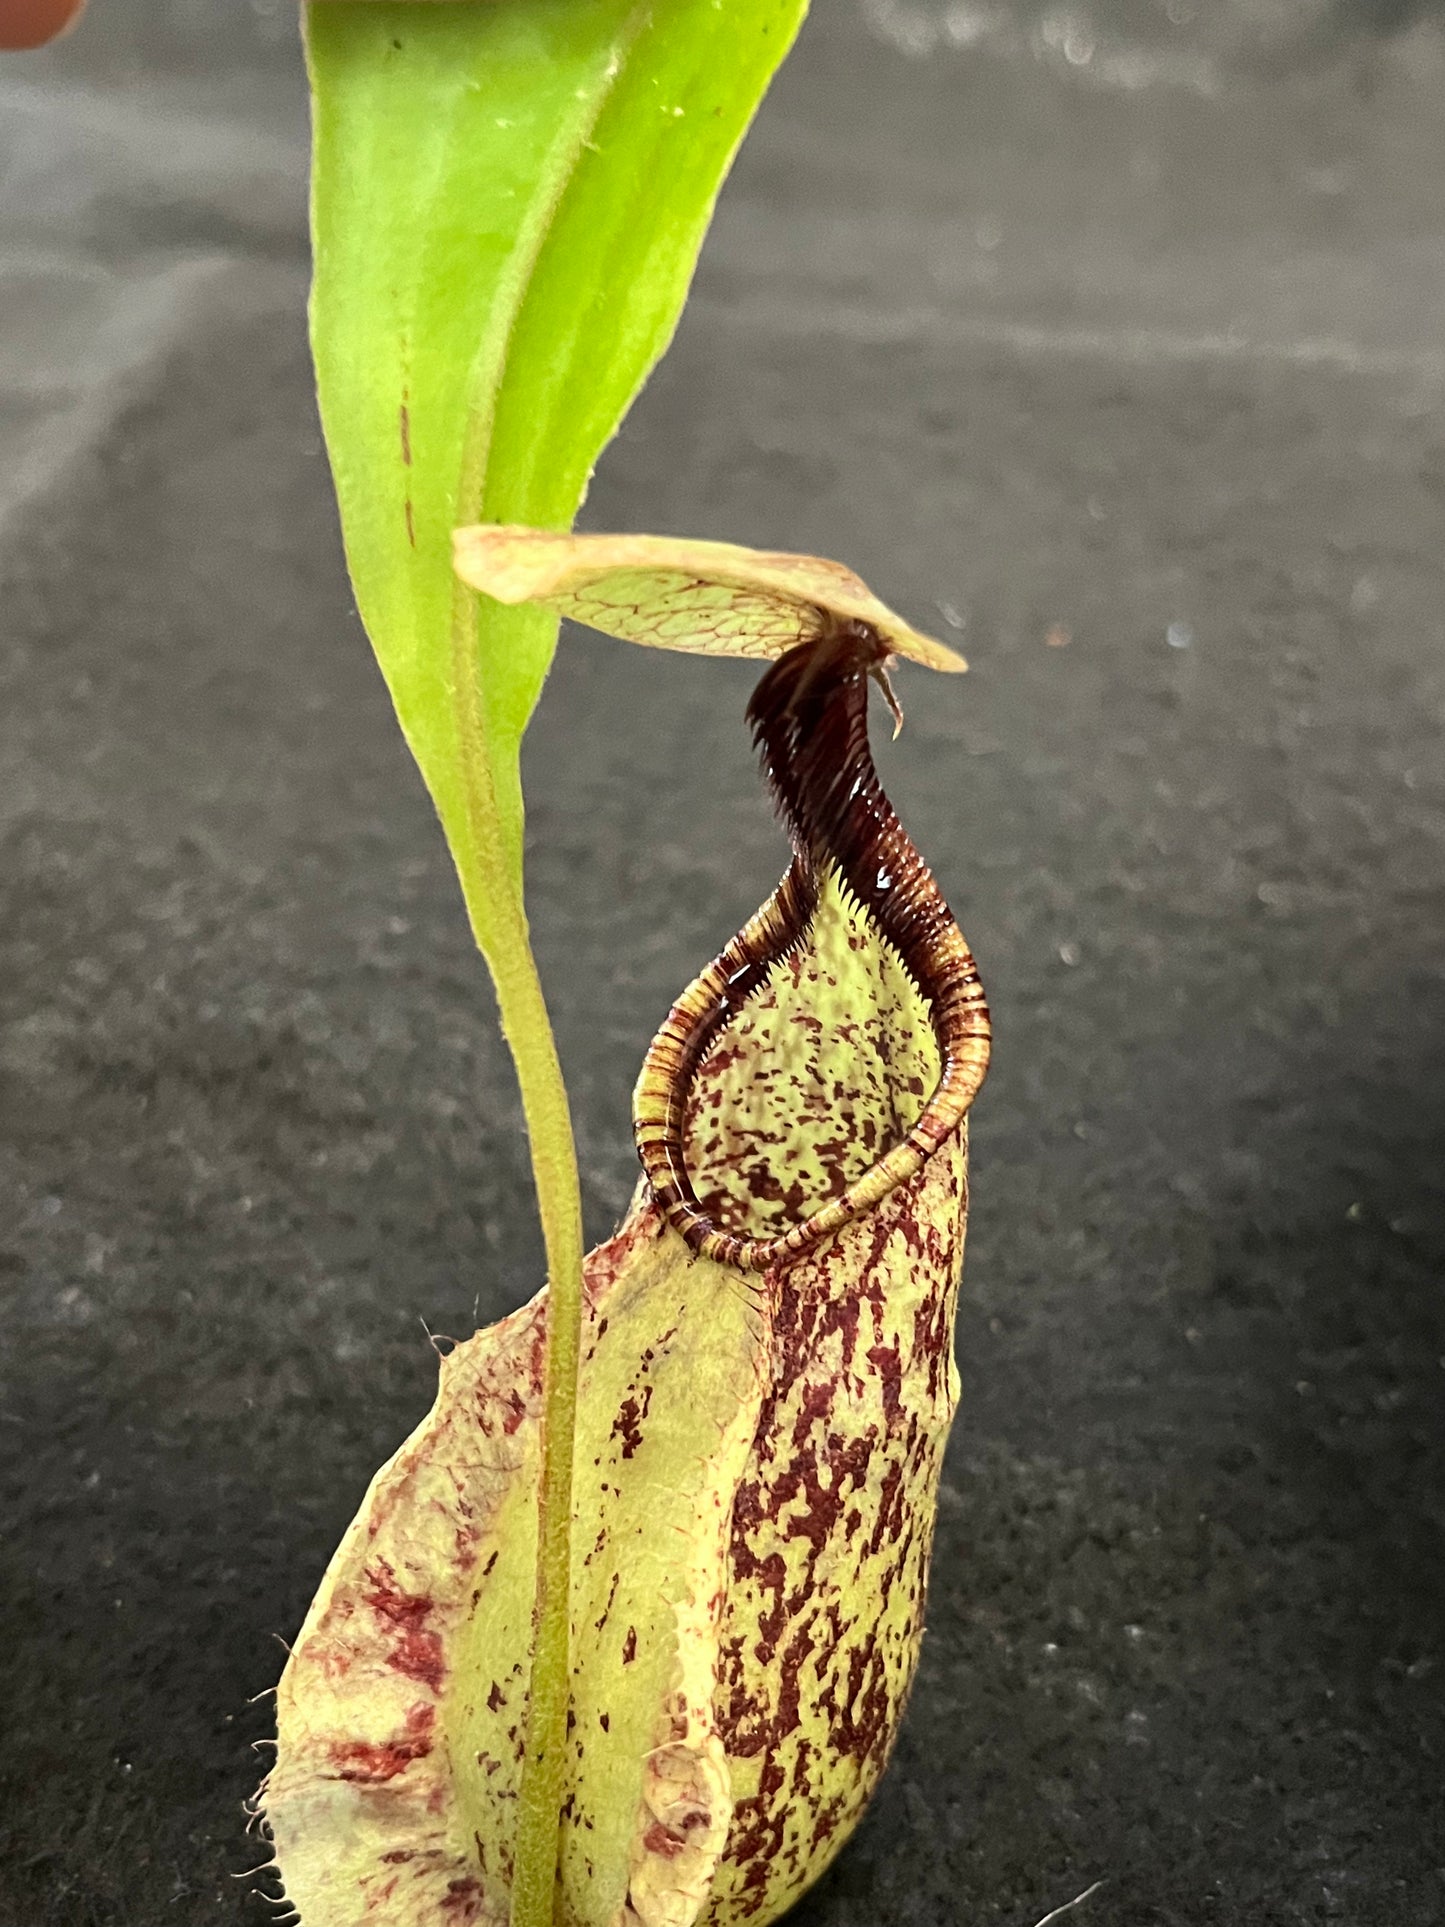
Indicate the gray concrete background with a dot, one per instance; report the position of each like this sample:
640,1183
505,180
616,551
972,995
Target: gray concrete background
1120,322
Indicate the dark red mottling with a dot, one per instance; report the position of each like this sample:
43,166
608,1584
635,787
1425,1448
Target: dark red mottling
372,1763
627,1426
416,1649
826,1476
462,1901
660,1840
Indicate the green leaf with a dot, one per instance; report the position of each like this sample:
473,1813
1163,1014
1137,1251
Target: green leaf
508,200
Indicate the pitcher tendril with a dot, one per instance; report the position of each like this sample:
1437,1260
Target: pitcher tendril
809,717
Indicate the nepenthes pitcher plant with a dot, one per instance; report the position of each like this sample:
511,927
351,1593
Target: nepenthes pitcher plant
766,1383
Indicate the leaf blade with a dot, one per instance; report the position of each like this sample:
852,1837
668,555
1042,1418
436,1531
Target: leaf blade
520,162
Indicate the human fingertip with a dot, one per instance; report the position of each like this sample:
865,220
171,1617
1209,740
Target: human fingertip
32,23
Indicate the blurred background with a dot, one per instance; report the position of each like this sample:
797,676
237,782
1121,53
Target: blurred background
1105,340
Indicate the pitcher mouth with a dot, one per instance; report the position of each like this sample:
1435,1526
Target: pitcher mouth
809,718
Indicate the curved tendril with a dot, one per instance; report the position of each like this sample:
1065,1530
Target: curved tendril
809,717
